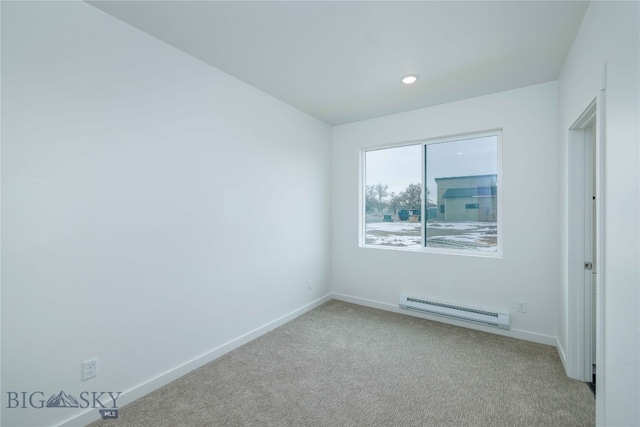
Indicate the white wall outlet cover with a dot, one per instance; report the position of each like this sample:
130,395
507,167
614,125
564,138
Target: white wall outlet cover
89,369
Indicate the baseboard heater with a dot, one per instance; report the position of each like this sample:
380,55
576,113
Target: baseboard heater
468,314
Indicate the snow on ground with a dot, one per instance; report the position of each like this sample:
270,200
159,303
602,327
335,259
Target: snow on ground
398,241
457,225
394,226
463,241
462,235
399,234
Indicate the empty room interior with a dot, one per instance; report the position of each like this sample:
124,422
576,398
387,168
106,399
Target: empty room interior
183,180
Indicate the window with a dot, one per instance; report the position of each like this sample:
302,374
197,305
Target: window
438,195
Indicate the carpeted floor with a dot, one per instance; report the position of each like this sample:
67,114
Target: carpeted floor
347,365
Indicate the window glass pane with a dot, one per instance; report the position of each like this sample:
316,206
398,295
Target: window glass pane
392,197
462,200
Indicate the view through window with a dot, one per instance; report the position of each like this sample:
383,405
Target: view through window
440,194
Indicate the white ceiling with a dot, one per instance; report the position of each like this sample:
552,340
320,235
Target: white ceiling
342,61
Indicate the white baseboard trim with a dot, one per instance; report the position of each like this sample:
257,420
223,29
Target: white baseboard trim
165,378
513,333
563,355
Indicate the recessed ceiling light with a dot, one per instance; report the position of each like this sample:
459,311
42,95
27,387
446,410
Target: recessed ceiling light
411,78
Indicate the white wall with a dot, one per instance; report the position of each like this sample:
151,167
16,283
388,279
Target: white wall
529,269
154,208
609,33
144,192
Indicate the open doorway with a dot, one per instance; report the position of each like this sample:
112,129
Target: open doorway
585,230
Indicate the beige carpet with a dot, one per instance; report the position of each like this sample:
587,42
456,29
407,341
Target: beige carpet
346,365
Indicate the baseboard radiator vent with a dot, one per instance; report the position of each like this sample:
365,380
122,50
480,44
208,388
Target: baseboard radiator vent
468,314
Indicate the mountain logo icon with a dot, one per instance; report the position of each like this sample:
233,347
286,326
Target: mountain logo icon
62,400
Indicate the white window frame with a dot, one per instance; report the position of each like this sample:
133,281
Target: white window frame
425,143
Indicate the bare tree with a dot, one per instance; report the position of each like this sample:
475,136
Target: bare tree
370,198
411,198
381,192
394,202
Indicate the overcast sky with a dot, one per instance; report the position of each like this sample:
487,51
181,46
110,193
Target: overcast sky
400,166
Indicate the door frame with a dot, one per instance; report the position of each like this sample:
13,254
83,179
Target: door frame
579,194
579,345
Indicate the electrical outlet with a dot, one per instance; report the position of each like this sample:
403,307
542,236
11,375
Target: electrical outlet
308,285
89,369
521,306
